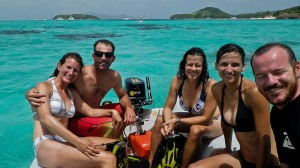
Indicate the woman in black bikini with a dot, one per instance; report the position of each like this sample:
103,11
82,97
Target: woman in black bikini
244,110
192,88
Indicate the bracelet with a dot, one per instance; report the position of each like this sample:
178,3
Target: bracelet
178,122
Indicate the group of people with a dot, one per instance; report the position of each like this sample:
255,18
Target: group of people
75,89
267,137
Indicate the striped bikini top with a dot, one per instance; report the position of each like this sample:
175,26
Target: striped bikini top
57,105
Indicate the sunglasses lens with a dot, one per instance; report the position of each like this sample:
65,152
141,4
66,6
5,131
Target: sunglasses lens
106,54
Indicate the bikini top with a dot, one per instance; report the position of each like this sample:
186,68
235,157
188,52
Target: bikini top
199,106
244,116
57,105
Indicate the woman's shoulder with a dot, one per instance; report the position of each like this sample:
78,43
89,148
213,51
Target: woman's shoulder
249,87
210,82
177,79
45,83
217,87
251,93
44,86
216,90
176,82
217,84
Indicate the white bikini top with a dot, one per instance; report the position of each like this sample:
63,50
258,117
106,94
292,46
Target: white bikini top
57,105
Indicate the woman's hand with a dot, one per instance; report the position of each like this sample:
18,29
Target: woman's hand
116,120
168,128
87,147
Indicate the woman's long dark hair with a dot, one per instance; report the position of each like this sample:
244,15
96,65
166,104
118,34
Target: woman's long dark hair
72,55
195,51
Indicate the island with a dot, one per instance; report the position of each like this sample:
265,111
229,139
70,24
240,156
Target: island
215,13
75,17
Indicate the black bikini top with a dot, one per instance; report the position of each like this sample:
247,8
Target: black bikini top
244,116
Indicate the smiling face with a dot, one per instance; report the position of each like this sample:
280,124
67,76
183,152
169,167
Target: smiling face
230,67
275,77
193,66
69,70
103,62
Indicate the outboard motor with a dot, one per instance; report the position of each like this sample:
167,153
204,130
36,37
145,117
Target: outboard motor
139,141
135,88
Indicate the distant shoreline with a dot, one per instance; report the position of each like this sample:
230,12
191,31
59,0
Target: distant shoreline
215,13
147,19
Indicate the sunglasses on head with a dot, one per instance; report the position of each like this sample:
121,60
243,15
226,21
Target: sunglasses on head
106,54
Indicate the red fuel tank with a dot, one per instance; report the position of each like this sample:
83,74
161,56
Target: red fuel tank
140,143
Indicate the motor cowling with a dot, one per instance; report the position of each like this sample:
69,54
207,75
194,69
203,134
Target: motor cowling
135,88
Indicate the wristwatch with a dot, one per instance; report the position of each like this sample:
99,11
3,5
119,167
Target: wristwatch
178,121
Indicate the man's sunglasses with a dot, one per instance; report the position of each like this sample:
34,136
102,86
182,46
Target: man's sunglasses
106,54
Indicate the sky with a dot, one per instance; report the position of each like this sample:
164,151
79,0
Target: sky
156,9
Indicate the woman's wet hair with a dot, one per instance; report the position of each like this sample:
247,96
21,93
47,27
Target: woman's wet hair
195,51
72,55
230,48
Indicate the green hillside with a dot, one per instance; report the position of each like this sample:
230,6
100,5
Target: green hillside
215,13
290,13
208,12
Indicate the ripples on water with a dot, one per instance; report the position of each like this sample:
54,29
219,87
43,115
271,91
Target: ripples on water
30,50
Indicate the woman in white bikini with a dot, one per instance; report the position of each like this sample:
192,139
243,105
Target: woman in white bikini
55,145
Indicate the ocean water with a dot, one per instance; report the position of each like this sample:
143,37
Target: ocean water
30,50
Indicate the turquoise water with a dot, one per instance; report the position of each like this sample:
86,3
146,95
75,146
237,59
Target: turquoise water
30,50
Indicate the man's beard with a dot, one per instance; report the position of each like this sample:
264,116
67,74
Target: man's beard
290,95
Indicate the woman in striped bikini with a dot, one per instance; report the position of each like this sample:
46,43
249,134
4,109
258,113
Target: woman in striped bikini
54,144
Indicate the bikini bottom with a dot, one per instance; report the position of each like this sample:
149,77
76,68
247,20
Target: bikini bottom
44,137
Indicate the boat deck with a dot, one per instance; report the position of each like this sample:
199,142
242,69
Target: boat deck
149,116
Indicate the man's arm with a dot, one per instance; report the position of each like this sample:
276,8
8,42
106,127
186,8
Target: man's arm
129,116
87,110
35,98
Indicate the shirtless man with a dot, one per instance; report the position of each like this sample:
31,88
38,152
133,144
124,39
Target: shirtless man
95,81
